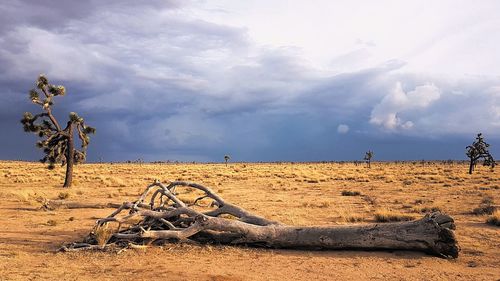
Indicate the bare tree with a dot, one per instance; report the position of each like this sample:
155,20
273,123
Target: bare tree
368,158
226,158
477,151
57,142
164,217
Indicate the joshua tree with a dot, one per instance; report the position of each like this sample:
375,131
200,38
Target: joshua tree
57,142
368,158
478,150
226,158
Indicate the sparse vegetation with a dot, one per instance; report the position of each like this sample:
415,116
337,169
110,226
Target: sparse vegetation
350,193
270,190
494,219
429,209
386,215
57,142
63,195
486,207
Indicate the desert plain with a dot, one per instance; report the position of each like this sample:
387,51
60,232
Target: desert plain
293,193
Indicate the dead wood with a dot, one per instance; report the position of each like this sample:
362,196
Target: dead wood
62,204
165,218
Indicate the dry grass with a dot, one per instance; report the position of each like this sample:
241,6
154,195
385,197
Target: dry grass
386,215
103,233
494,219
348,216
301,194
63,195
428,209
486,207
350,193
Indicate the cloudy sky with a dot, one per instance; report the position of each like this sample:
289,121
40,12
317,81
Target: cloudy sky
258,80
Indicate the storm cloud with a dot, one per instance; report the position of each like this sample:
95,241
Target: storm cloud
192,81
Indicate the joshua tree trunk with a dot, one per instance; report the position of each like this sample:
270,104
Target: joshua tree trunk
166,218
70,156
471,166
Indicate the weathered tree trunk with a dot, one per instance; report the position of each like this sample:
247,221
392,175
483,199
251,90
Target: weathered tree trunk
426,234
177,221
70,157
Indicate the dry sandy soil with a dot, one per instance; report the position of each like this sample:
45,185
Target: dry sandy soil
298,194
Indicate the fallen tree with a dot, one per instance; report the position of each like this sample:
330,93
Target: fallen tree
168,218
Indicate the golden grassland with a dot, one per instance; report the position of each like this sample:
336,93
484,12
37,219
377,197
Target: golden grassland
298,194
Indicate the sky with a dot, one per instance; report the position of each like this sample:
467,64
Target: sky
259,80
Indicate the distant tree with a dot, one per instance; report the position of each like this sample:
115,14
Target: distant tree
477,151
226,158
57,143
368,158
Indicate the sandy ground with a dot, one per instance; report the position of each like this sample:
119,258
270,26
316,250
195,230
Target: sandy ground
299,194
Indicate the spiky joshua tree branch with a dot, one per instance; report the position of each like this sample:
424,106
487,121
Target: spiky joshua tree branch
57,142
368,158
478,150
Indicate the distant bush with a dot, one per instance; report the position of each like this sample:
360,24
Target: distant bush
350,193
485,208
494,219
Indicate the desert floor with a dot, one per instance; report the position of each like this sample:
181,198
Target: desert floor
298,194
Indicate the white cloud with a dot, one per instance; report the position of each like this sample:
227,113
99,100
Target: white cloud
343,129
433,37
387,112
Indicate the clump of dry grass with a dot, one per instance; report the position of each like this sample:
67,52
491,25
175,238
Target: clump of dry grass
494,219
428,209
63,195
27,196
386,215
407,182
350,193
369,199
352,218
103,233
51,223
323,204
346,215
485,208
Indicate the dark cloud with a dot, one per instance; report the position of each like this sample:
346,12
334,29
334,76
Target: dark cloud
160,84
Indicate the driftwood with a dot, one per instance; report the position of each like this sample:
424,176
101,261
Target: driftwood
165,218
